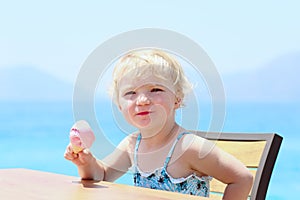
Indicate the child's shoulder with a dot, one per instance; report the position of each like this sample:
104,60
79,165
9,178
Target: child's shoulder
191,136
194,143
129,140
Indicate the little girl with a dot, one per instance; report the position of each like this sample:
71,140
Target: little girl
148,87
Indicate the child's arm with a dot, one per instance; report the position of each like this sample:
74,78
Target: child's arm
208,159
111,168
231,171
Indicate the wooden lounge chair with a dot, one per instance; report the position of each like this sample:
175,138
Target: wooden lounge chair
257,151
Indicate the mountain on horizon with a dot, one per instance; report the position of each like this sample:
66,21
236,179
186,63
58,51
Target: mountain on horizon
278,81
32,84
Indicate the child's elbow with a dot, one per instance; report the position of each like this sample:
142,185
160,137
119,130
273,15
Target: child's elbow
248,179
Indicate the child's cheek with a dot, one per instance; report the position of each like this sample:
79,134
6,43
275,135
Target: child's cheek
125,107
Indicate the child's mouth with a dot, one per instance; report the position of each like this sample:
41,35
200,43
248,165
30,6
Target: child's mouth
143,113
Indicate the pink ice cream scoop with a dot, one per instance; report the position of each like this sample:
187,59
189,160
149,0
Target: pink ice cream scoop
81,136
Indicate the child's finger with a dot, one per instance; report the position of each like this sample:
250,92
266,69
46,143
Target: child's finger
85,156
86,151
69,154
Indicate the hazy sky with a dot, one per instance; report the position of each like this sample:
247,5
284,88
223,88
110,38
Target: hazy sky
57,36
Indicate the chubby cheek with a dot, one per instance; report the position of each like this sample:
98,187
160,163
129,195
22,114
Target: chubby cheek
167,103
127,109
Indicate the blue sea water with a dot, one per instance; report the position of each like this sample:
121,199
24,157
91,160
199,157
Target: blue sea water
34,135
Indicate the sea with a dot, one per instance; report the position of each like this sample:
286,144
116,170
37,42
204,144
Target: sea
34,135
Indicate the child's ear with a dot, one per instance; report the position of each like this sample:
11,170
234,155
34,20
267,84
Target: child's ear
177,102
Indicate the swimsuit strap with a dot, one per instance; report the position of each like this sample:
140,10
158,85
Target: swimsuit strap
172,149
137,144
138,141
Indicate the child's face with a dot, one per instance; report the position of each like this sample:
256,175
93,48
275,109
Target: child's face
147,103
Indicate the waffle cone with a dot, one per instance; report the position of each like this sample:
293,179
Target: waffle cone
76,149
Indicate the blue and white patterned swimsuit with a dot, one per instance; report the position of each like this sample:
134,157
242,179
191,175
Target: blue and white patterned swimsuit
161,180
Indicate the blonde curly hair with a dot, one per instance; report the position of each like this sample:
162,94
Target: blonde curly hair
141,63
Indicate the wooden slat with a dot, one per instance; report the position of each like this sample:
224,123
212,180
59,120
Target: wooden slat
217,186
248,152
262,155
215,197
219,197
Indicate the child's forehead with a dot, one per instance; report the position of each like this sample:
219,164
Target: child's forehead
150,81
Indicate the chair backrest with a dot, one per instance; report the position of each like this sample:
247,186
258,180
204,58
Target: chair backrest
257,151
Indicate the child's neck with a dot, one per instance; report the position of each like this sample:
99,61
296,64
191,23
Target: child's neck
162,138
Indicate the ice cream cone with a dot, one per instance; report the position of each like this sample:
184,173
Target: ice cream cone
76,149
81,136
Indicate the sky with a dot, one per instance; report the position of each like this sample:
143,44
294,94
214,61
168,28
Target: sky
57,36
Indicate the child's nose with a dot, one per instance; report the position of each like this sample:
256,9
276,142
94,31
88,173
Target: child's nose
142,100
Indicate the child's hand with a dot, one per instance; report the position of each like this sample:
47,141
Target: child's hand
80,159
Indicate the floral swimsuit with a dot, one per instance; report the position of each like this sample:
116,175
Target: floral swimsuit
161,180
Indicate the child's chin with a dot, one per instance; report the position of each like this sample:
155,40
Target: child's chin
150,130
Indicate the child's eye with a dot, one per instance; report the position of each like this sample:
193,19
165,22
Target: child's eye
129,93
157,90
